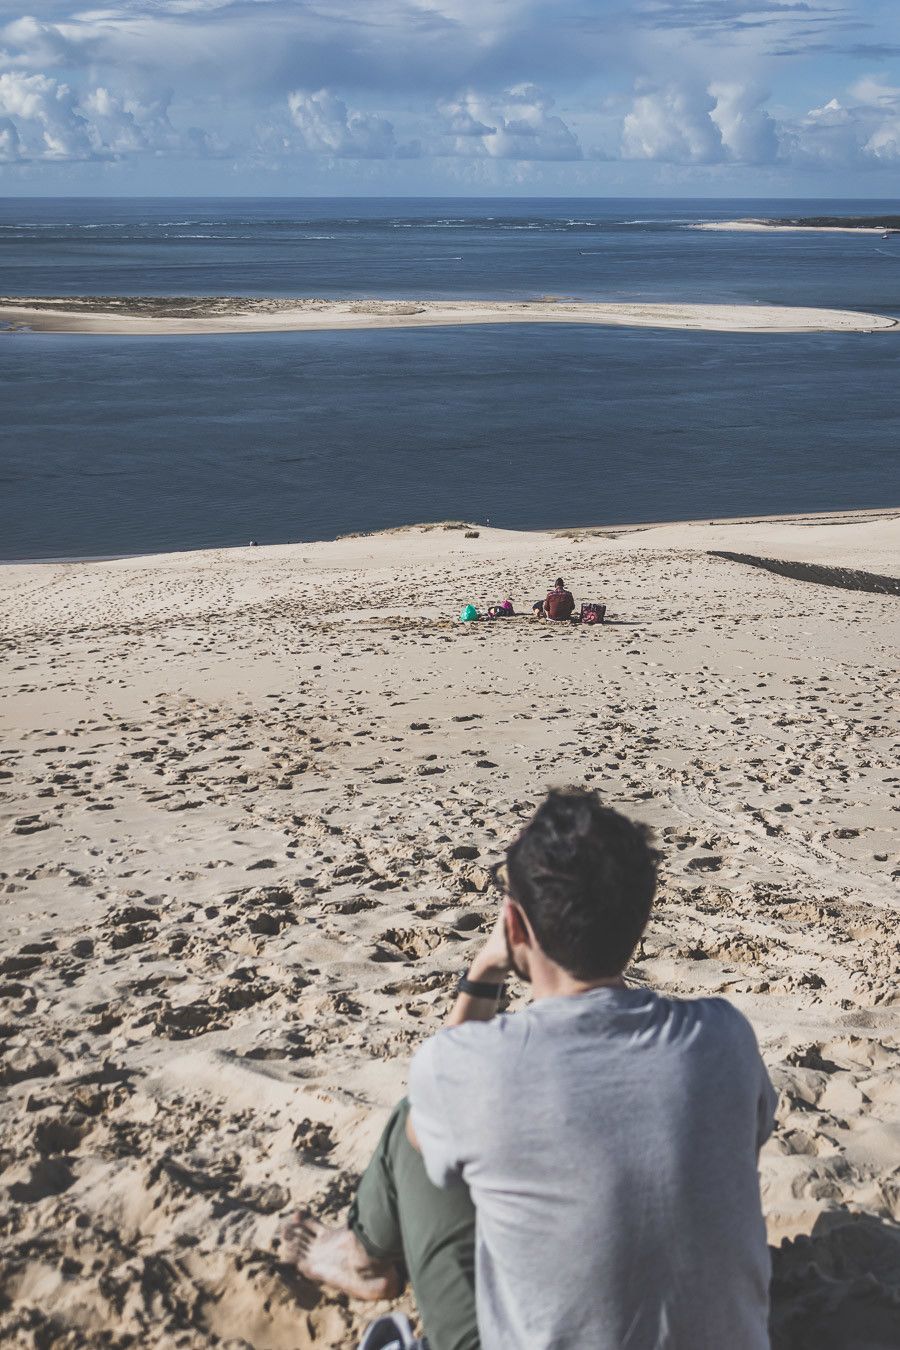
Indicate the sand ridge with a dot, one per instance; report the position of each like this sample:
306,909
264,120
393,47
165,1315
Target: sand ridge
248,800
146,315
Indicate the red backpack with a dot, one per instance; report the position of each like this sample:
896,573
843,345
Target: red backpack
592,612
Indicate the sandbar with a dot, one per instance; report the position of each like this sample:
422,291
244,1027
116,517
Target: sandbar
771,227
146,316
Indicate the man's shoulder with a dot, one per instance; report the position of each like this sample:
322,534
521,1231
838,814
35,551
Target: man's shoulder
712,1008
719,1019
722,1012
480,1037
459,1064
469,1042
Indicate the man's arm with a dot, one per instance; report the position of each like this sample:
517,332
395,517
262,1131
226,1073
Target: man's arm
490,966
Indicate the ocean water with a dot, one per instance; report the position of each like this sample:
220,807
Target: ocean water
127,445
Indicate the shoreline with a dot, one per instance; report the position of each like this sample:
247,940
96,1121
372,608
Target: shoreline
194,316
810,519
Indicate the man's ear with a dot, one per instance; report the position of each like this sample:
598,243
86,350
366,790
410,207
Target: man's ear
517,927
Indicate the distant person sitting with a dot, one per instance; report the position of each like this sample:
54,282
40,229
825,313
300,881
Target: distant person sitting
581,1174
559,604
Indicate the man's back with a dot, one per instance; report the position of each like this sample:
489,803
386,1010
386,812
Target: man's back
609,1140
560,604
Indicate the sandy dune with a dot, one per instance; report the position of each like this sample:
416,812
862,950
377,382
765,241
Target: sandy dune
147,315
249,797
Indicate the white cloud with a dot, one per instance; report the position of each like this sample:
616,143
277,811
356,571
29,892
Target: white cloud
516,125
43,120
864,130
884,143
9,142
329,127
724,122
126,126
674,125
44,116
749,134
31,44
873,92
107,80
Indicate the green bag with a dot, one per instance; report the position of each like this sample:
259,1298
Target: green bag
468,613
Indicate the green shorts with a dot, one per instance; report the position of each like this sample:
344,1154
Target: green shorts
399,1216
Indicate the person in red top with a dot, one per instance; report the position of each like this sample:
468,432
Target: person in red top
559,604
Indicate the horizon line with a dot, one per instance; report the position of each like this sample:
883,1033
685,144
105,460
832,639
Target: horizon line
344,196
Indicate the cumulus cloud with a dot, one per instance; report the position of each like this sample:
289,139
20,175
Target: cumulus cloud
881,103
516,125
684,124
862,129
727,122
467,84
43,120
674,125
32,44
328,127
749,133
884,142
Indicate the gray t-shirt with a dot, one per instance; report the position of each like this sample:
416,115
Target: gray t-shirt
610,1143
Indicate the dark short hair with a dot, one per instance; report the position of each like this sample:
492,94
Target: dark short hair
585,876
559,583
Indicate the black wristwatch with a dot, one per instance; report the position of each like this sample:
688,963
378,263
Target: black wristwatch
479,988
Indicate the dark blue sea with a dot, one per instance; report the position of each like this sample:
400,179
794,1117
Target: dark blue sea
126,445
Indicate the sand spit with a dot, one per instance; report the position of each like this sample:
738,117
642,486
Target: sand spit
770,226
144,316
248,799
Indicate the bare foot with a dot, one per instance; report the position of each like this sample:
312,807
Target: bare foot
335,1256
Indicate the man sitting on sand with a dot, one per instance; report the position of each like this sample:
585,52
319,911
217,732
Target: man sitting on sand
559,603
592,1159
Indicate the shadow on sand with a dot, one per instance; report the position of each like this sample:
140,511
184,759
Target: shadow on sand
839,1288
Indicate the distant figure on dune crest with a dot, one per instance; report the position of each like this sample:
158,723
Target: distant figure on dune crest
559,603
582,1174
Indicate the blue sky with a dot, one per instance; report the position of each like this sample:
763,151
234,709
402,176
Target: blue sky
456,97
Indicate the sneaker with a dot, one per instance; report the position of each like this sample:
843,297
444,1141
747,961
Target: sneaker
391,1333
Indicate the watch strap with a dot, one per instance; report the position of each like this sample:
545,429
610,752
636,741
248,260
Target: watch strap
479,988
